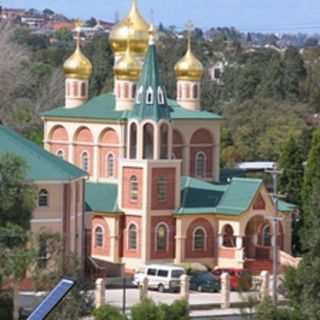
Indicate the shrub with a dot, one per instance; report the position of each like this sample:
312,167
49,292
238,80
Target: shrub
177,310
146,310
107,312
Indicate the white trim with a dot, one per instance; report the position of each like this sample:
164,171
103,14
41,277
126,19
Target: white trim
205,239
204,164
139,95
46,220
128,238
94,236
167,236
161,99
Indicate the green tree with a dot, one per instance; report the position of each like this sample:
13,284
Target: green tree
311,174
108,312
291,162
295,72
17,196
63,35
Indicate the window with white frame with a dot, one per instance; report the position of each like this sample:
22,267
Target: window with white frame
110,165
99,235
132,237
200,165
162,237
160,96
133,189
266,236
149,99
199,239
139,95
43,200
85,161
162,185
60,154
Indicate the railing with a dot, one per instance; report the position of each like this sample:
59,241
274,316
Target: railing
288,260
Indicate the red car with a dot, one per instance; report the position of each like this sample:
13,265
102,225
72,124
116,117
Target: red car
240,279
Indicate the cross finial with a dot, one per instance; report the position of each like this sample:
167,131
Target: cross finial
189,27
78,24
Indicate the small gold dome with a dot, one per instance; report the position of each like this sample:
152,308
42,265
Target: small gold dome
128,67
139,37
78,65
189,67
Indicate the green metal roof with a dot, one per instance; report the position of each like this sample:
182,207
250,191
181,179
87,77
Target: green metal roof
285,206
102,197
42,165
103,108
151,79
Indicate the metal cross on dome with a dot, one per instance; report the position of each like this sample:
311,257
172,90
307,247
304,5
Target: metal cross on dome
189,27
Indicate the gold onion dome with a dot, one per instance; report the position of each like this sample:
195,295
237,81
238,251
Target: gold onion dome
139,37
128,67
189,67
78,65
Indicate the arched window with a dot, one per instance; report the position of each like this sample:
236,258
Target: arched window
162,237
43,200
133,91
179,91
75,89
68,89
133,189
164,141
187,91
200,165
85,161
132,237
149,96
228,237
139,95
99,237
266,236
195,91
133,141
83,89
110,165
199,239
160,96
126,90
148,141
60,154
162,189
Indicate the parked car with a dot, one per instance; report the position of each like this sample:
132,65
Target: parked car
240,279
160,276
204,281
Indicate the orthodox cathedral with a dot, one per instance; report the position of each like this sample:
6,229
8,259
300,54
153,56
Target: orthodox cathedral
153,192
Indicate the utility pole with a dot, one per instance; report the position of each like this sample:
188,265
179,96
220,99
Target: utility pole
274,173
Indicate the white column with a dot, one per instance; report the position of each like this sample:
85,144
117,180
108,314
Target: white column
96,163
100,298
239,242
225,291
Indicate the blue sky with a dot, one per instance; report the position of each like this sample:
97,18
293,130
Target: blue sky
247,15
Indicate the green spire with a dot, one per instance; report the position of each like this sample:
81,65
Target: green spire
151,100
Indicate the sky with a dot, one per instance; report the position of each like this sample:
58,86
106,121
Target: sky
289,16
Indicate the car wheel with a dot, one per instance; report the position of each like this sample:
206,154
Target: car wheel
199,288
160,288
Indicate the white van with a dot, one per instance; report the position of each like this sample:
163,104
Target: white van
160,276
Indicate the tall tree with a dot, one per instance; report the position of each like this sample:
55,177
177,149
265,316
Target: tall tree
311,174
295,72
291,161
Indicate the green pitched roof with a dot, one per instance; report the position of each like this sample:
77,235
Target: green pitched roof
103,108
149,84
102,197
286,207
42,165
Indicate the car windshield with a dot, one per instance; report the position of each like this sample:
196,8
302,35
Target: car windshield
177,273
208,276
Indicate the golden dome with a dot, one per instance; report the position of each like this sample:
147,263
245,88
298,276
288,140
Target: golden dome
78,65
139,37
128,67
189,67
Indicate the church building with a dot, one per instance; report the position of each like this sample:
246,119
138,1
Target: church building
153,194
